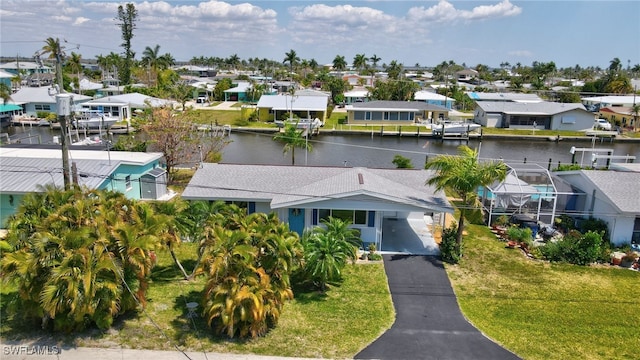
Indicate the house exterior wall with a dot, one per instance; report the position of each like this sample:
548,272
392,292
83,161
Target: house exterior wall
380,117
574,120
620,224
130,187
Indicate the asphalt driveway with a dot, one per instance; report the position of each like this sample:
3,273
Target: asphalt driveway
429,324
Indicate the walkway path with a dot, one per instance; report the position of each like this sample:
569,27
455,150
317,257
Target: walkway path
429,324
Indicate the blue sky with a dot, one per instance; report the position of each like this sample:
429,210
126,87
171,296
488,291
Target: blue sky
588,33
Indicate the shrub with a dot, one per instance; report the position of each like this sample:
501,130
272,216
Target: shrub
575,248
449,249
240,122
595,225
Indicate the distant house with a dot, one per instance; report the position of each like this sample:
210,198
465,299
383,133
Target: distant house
279,107
27,170
466,75
433,98
238,92
25,68
33,100
5,78
303,196
356,95
612,196
394,112
619,115
544,115
124,105
504,96
358,80
594,103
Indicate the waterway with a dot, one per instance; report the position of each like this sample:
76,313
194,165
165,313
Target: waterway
248,147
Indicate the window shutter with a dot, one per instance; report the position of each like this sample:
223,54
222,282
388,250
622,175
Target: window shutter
314,215
252,207
372,219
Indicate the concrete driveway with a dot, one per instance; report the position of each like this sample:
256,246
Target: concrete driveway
410,236
429,324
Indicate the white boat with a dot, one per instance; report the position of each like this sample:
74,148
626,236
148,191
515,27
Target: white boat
454,128
87,141
94,119
301,123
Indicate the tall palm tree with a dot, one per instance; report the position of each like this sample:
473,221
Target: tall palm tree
462,175
74,64
360,61
635,111
53,49
293,138
374,61
292,58
394,70
339,63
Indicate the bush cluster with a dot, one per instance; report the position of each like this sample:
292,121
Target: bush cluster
450,250
577,248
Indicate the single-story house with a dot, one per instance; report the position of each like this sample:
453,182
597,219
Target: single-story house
543,115
238,92
28,67
383,112
594,103
280,107
358,80
504,96
619,115
7,112
466,75
356,95
303,196
25,170
123,105
611,196
41,99
433,98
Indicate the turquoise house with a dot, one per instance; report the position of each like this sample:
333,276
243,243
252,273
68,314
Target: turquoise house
27,170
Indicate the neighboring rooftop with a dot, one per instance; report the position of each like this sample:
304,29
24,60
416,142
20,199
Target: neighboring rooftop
621,188
509,97
542,108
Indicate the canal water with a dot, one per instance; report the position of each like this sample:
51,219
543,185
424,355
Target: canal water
249,147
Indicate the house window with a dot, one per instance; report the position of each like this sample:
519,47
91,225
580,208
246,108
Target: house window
355,217
42,107
127,182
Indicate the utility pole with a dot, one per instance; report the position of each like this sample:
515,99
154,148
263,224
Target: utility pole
63,103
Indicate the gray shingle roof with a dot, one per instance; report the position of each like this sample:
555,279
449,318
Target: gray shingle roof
299,103
621,188
286,186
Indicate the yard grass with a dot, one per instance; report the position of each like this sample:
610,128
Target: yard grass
224,117
547,311
337,324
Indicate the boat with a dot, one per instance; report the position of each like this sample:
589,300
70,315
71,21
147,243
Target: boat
94,119
301,123
88,141
454,128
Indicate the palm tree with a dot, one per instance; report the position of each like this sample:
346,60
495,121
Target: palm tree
293,138
615,65
635,111
461,176
374,61
339,63
75,65
325,255
292,58
52,47
5,93
359,61
394,70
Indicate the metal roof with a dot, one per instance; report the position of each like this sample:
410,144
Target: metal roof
285,186
133,99
24,175
542,108
40,95
424,95
295,103
514,97
125,157
388,105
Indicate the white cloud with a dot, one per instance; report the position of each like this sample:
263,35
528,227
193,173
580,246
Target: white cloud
80,20
521,53
445,11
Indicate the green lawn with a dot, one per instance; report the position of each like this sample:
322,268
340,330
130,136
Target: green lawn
337,324
225,117
547,311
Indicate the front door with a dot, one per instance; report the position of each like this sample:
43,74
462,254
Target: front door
296,220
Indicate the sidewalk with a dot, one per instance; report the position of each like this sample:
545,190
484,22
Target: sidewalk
31,351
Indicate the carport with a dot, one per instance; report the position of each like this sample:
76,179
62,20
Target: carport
408,235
